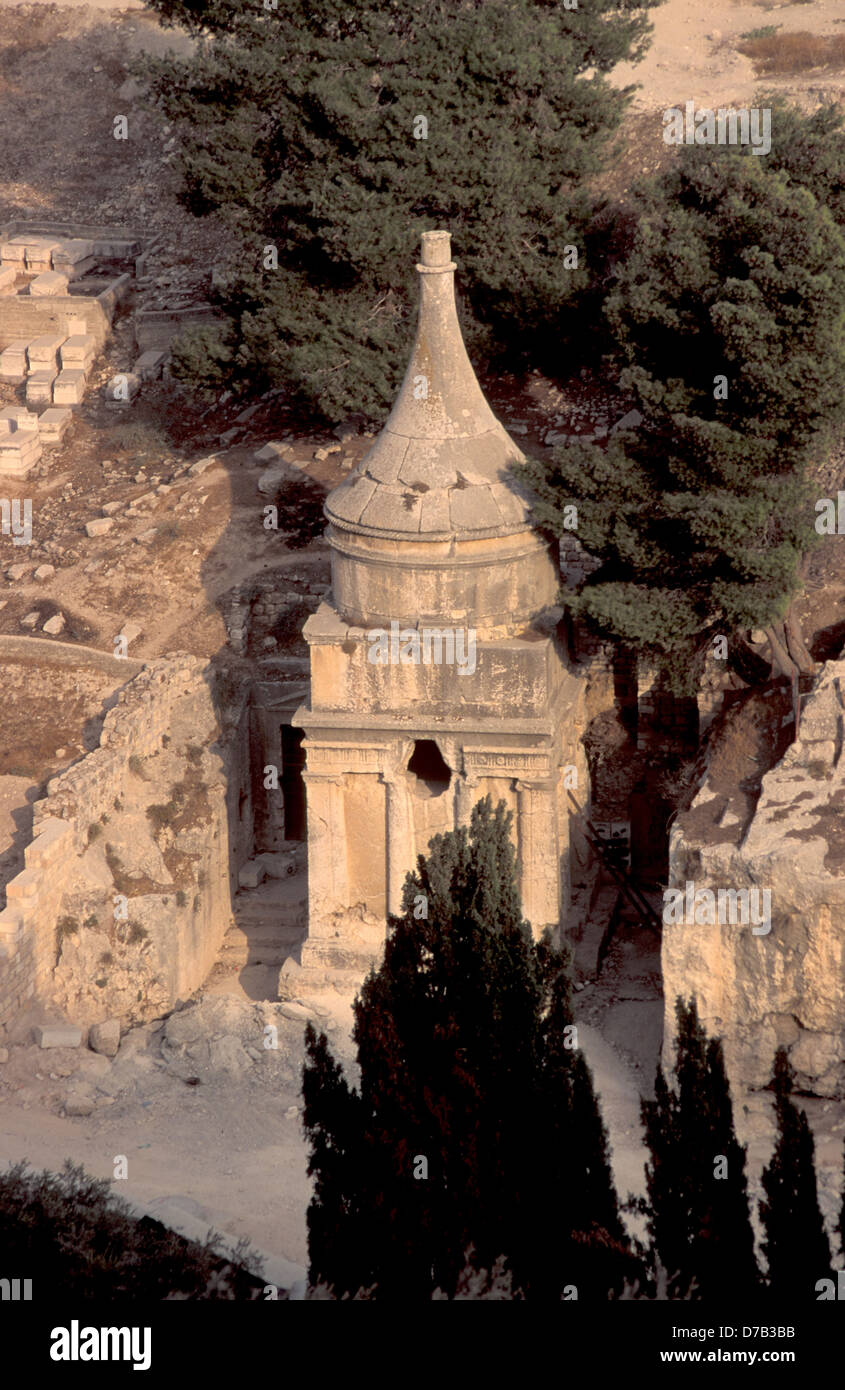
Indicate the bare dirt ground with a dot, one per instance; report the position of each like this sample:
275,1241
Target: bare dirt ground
230,1150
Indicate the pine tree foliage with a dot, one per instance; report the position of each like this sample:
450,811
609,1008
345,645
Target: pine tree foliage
301,127
698,1214
796,1246
465,1047
725,328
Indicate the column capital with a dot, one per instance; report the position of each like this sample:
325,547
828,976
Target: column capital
335,779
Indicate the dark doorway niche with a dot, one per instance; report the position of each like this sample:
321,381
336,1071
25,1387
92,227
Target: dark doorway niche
650,814
432,773
293,786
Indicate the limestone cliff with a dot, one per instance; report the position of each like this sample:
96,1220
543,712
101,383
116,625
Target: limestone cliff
787,986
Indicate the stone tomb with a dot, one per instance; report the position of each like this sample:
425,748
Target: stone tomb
431,539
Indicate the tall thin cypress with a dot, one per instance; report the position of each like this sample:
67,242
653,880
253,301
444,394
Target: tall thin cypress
796,1245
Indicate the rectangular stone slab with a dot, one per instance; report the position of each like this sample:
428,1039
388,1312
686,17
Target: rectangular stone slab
57,1035
69,388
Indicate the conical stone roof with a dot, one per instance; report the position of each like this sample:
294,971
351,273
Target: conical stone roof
440,467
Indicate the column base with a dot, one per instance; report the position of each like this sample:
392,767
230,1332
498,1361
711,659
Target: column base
342,956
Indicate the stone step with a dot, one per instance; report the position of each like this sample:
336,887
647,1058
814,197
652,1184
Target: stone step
269,944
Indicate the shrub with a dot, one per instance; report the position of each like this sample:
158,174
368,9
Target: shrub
85,1241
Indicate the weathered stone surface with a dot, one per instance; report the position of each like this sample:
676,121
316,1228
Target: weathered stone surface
43,351
69,387
251,874
130,839
53,423
39,386
49,282
79,1105
54,626
99,526
784,987
57,1035
105,1037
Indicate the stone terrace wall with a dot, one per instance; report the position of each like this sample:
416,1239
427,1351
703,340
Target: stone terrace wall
83,794
24,316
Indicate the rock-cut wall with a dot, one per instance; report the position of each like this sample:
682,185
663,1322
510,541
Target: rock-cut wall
126,893
759,989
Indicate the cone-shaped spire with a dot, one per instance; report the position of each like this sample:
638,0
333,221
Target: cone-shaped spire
439,468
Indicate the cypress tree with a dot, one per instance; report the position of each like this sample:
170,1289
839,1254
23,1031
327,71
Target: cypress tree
475,1133
841,1226
796,1244
699,1220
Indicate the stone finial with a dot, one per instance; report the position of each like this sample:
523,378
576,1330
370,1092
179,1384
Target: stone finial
436,251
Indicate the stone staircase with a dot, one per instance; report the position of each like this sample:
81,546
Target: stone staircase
269,926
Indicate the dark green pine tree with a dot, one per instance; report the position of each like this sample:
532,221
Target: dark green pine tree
475,1133
700,514
699,1220
796,1245
336,133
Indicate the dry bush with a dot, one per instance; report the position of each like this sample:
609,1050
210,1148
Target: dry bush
784,54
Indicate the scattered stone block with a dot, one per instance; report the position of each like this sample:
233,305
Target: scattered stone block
79,1106
99,526
149,364
251,874
631,421
8,279
271,480
44,572
31,620
69,388
39,386
296,1012
43,351
57,1035
271,452
130,631
105,1037
49,282
16,572
109,508
201,465
53,423
54,626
